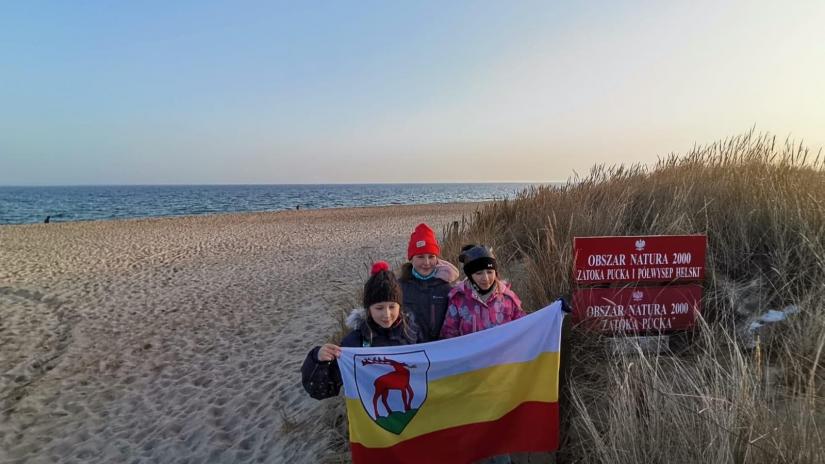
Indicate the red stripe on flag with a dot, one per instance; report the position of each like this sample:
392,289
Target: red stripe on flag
531,426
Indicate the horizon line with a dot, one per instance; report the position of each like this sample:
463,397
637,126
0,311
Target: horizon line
279,184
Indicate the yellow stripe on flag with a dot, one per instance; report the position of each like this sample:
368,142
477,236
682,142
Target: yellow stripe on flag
478,396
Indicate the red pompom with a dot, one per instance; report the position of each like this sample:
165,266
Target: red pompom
379,266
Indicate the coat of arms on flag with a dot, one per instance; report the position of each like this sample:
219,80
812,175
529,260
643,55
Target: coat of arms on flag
392,387
457,400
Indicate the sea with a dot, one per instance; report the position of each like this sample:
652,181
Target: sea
26,205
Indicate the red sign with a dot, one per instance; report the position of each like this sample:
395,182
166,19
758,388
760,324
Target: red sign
657,258
637,310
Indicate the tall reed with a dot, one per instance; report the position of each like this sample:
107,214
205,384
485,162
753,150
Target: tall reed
722,399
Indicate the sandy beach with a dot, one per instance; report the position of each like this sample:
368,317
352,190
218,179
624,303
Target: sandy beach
180,339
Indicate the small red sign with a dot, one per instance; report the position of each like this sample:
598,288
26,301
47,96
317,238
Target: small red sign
656,258
637,310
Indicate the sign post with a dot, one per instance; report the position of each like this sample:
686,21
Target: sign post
617,265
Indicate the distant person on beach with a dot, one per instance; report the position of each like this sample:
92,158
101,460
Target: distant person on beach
381,322
482,300
425,281
47,220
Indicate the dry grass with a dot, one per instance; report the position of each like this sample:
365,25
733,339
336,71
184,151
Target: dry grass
762,205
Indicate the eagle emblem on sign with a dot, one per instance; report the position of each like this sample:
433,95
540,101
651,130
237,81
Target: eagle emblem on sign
392,387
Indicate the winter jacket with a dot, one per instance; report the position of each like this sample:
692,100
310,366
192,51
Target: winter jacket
468,313
322,379
426,300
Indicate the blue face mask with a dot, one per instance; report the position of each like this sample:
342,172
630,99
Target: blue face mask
421,277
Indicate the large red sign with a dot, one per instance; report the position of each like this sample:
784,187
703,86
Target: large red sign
637,309
657,258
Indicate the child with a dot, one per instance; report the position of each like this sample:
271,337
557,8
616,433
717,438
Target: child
425,281
481,301
380,323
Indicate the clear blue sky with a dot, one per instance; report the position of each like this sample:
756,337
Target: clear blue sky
95,92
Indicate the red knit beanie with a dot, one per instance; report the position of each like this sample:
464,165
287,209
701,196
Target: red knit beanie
422,241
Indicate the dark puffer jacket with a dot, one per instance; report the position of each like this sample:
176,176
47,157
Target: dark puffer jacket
426,300
322,379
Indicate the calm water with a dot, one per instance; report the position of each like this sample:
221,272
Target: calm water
20,205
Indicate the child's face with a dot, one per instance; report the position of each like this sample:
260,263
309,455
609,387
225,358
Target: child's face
485,278
424,263
385,313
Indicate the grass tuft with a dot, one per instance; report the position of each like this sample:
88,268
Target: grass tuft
727,395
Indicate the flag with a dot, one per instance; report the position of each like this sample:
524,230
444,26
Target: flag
457,400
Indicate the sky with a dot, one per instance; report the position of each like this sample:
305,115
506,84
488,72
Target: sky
200,92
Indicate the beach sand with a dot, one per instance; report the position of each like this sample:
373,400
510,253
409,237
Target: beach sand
181,339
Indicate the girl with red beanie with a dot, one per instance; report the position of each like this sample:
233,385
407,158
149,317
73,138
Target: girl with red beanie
381,322
425,281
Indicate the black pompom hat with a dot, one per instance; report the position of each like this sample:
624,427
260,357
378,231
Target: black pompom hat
381,286
476,258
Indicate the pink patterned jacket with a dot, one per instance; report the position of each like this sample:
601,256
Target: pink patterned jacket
466,312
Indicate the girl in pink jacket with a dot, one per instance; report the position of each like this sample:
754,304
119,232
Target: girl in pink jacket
482,300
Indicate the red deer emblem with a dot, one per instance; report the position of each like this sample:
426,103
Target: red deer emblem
399,380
